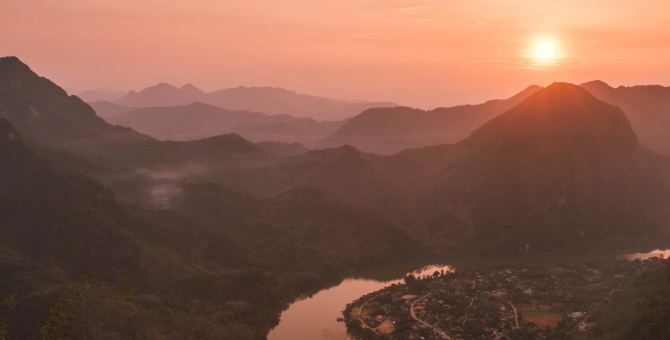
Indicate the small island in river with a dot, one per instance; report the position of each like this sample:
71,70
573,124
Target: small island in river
513,302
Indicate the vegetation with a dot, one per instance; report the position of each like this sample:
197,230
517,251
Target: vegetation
219,264
641,310
6,307
219,235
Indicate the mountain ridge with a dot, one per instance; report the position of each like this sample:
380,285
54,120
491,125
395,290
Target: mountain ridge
269,100
198,120
647,108
43,112
389,130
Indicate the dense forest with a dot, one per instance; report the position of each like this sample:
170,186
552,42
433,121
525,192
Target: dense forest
221,263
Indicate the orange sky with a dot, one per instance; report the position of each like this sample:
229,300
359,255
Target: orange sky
419,53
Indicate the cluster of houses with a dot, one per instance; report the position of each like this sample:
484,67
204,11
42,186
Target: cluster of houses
502,303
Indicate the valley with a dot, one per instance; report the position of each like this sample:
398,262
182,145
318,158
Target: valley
219,235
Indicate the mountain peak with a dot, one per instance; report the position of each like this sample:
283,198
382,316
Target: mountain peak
18,78
527,92
42,112
11,68
596,83
190,89
561,113
562,94
165,86
561,86
12,62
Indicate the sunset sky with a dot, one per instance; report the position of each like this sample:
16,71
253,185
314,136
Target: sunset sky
425,53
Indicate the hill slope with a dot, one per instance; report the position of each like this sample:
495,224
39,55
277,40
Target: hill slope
647,108
236,255
228,277
44,113
389,130
197,120
560,170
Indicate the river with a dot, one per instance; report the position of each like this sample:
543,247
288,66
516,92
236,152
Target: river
315,317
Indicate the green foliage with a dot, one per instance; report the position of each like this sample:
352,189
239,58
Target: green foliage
410,280
220,263
641,311
63,316
7,305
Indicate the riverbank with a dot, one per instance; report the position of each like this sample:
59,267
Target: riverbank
509,301
313,316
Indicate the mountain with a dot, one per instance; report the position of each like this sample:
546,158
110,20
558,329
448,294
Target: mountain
389,130
346,172
218,152
561,171
44,113
271,101
198,120
647,108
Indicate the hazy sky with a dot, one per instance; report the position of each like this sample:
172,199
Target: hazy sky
419,53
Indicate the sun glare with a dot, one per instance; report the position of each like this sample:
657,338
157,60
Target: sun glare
545,50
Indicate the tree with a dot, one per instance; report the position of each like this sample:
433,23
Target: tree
410,280
63,316
7,305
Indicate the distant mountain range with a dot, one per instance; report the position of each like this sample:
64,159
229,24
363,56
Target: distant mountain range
647,108
198,120
389,130
559,171
268,114
268,100
378,130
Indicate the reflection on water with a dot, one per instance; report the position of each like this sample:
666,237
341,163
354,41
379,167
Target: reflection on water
642,256
314,318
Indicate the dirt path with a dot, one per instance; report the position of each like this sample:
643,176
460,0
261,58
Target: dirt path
358,313
516,315
385,327
471,302
466,313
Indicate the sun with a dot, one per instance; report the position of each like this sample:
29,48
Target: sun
545,50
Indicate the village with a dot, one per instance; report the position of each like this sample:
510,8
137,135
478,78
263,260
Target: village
499,303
